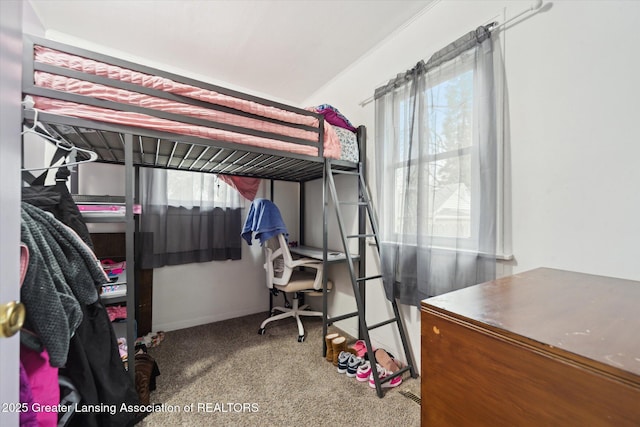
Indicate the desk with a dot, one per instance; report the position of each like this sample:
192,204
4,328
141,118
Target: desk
316,253
541,348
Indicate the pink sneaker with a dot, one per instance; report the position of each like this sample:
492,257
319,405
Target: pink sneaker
364,371
360,348
384,373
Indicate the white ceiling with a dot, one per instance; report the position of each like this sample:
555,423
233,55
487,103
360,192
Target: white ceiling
285,49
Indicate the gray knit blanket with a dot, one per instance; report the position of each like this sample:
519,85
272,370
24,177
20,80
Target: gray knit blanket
62,274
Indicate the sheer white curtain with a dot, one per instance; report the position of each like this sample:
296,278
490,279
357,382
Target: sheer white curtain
436,157
187,217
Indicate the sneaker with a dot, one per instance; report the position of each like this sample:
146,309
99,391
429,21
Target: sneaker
384,373
364,371
353,365
360,348
343,360
386,360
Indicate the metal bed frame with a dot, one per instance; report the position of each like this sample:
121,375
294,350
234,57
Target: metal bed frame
133,147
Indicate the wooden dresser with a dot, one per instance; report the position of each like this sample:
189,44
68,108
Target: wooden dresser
541,348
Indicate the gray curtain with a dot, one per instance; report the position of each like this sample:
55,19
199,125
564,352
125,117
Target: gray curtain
187,217
437,161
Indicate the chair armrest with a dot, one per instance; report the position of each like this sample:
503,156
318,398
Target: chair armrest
306,262
311,263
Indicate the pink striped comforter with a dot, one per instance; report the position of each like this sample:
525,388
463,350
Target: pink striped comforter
65,84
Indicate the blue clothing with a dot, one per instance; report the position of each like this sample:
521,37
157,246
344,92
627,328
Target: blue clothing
264,220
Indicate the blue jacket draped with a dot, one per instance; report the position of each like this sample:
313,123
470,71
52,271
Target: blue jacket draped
264,219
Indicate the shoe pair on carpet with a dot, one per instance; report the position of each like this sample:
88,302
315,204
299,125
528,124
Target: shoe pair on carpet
361,369
335,345
352,360
365,373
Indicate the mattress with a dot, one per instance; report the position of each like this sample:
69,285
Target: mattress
268,126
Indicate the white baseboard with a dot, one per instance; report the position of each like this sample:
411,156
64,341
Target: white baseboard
189,323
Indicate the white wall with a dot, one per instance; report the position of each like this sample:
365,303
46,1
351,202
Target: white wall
571,76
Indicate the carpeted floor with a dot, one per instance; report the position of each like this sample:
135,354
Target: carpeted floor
225,374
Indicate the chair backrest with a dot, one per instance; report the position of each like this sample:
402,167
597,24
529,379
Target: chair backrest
277,261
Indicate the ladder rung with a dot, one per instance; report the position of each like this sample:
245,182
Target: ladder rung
354,203
345,172
359,236
363,279
386,322
338,318
395,374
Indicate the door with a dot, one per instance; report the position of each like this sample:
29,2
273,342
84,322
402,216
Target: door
10,159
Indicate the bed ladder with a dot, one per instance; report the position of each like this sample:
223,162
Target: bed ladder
358,278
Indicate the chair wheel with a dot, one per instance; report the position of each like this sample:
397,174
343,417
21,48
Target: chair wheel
300,338
287,304
261,331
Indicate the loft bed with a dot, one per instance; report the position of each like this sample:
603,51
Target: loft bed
137,116
93,100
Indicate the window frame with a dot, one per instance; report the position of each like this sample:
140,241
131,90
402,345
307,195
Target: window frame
443,242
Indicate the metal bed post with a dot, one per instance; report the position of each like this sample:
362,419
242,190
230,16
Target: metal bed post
271,191
129,233
302,195
362,223
325,232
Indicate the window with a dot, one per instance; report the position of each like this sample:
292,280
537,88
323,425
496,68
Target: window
439,172
191,189
438,175
188,217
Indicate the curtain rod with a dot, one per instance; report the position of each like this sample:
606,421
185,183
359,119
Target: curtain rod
535,6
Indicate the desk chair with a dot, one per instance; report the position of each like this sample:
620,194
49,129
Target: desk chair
283,274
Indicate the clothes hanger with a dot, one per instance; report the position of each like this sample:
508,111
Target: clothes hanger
41,131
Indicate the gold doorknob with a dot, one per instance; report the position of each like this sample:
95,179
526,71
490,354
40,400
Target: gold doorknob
11,318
